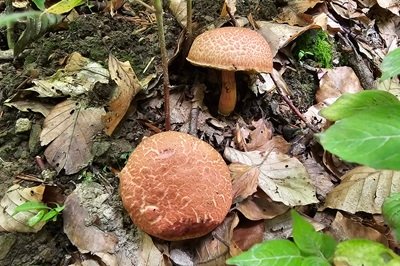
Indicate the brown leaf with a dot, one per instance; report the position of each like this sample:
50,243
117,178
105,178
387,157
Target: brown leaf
334,82
247,234
244,180
178,8
293,13
128,86
149,254
70,128
344,228
15,196
260,206
363,189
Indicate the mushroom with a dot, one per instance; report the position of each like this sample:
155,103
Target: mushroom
231,49
175,186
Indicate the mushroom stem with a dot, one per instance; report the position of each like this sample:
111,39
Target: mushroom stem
227,100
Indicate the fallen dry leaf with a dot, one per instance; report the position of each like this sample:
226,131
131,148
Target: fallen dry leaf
247,234
294,12
391,5
228,5
30,106
244,180
127,87
78,76
178,8
149,254
260,206
334,82
283,178
70,128
15,196
363,189
344,228
390,85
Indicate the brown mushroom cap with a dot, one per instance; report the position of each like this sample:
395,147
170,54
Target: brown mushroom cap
176,186
233,49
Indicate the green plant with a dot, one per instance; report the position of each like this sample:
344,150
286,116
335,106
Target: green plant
367,124
315,44
315,248
44,213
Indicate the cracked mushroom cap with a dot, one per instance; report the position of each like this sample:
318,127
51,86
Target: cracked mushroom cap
176,186
233,49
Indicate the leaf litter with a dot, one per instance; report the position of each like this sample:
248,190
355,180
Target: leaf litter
267,180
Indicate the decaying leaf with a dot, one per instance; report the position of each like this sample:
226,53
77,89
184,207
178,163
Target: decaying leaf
30,106
244,180
283,178
294,12
392,5
228,5
15,196
334,82
149,254
363,189
128,86
260,206
70,127
178,8
344,228
245,235
78,76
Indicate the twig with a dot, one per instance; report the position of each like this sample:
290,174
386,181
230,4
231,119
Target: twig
291,105
161,37
189,26
145,5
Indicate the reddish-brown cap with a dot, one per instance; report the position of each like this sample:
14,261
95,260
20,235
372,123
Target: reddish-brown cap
233,49
176,186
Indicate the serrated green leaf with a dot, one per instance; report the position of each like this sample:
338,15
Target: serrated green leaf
364,252
14,17
391,64
391,213
274,252
30,206
371,137
64,6
315,261
350,103
36,218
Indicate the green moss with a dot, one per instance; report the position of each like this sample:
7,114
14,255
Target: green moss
315,45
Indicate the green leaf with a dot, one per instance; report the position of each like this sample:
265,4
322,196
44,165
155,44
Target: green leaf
274,252
39,4
14,17
64,6
37,218
391,213
315,261
371,137
50,215
30,206
391,64
356,252
309,241
351,103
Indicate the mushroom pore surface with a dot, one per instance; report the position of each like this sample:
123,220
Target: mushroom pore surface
176,186
233,49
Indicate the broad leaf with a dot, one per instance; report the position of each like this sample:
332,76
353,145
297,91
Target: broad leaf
371,137
351,103
391,213
315,261
364,252
391,64
274,252
64,6
309,241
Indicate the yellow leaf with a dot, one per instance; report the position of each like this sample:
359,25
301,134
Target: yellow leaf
64,6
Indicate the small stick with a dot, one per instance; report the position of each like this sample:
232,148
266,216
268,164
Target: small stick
160,26
291,105
189,27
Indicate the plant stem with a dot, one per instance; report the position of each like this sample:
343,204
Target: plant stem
161,37
189,19
10,25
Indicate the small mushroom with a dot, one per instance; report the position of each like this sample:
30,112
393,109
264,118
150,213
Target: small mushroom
176,186
231,49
